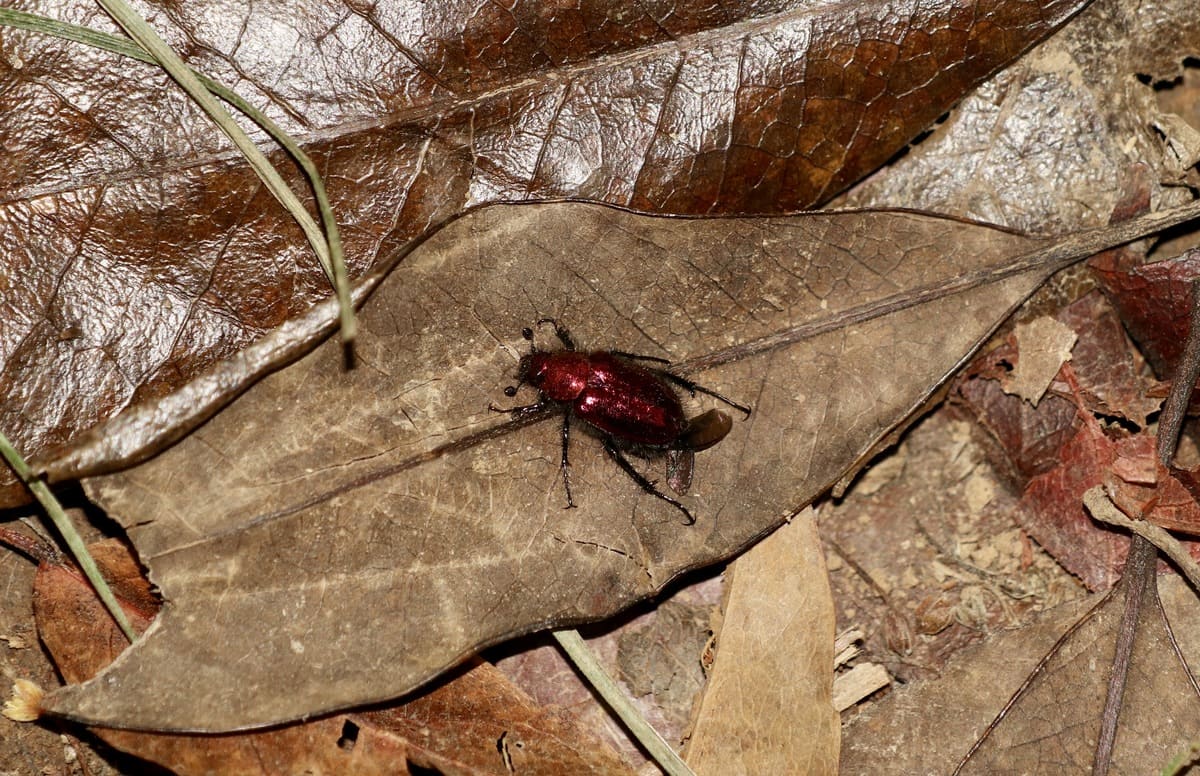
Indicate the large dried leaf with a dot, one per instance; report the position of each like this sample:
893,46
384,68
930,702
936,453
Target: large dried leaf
334,538
1047,144
1160,706
145,252
477,723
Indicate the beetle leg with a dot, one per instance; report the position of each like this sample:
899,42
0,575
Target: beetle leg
692,388
564,464
640,357
610,447
561,332
521,412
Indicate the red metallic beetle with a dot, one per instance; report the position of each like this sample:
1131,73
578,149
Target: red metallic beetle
630,405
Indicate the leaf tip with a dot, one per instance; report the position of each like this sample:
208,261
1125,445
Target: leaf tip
25,703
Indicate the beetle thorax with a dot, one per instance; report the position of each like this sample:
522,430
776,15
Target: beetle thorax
561,375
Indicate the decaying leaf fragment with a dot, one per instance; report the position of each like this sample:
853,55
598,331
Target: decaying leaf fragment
767,707
349,535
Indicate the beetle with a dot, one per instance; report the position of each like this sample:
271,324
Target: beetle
630,405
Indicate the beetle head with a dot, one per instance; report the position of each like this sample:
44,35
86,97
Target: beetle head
532,368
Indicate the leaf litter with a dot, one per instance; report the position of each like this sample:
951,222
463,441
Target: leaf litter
418,115
1149,49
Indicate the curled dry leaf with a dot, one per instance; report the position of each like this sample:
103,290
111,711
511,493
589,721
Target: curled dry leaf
774,664
336,538
146,252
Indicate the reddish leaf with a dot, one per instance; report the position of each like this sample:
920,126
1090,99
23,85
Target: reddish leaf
1153,302
1053,514
146,252
1107,368
1142,488
1108,375
1029,438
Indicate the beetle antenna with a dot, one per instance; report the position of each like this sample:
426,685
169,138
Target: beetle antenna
511,390
561,332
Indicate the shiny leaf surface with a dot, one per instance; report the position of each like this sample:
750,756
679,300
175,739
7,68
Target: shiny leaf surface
136,250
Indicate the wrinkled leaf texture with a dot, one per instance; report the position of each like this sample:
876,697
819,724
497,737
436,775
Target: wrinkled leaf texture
1054,721
336,538
137,250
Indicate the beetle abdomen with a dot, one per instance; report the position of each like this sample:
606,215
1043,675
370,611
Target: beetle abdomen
629,402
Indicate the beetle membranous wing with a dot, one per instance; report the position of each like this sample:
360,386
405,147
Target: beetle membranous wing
679,470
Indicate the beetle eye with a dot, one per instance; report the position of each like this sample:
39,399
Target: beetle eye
510,391
527,333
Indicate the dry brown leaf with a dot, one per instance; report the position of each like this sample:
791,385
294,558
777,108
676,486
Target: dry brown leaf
928,727
1055,720
481,724
1042,346
1041,160
476,723
325,507
137,250
767,707
1045,144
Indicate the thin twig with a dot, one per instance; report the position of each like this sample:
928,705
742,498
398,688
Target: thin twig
1137,580
585,660
66,528
1186,373
327,245
1103,509
1139,576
